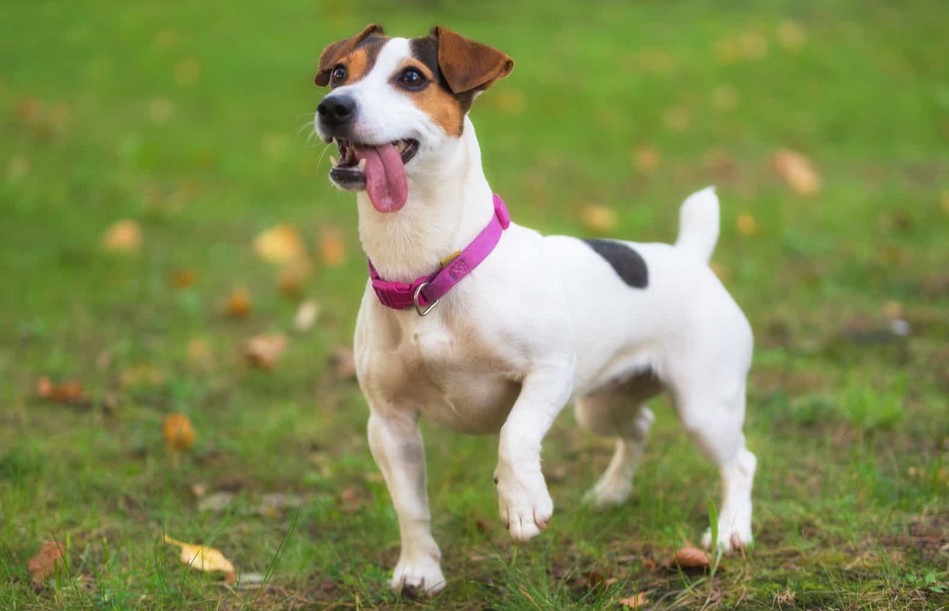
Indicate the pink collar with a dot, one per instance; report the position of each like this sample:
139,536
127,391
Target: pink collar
425,291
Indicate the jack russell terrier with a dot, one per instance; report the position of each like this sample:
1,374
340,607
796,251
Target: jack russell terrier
485,326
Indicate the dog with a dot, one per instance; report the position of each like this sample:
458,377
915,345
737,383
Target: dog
485,326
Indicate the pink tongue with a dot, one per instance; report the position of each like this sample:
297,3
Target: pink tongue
385,177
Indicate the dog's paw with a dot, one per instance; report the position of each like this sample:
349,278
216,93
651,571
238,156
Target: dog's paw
524,504
731,540
420,574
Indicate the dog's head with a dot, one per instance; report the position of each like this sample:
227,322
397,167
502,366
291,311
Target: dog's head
396,102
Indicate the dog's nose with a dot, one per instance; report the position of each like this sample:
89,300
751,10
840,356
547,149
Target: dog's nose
337,110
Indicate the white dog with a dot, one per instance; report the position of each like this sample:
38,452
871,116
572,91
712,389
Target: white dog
485,326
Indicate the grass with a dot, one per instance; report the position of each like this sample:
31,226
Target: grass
186,118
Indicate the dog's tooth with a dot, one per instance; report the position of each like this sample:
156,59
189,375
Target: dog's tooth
333,160
362,164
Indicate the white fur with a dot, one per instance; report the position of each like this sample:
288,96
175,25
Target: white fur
543,321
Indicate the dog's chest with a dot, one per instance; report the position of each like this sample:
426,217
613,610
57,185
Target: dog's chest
452,376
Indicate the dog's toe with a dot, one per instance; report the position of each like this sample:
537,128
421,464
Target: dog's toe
418,576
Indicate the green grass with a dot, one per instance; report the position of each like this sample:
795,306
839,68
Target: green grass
186,118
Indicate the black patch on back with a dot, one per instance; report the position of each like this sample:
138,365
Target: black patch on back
426,51
626,262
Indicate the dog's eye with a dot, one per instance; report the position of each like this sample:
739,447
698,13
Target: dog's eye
337,76
411,78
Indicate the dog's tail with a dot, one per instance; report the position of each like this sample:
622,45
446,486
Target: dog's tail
698,224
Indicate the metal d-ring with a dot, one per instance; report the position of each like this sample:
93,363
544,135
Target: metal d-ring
418,307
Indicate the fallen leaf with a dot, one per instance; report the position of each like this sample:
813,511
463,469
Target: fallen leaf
238,304
677,119
183,278
343,362
45,562
204,558
798,172
198,353
141,375
332,247
791,35
646,159
123,236
199,490
753,45
68,392
636,601
689,557
893,310
216,502
746,224
263,350
280,244
306,316
178,432
292,276
598,218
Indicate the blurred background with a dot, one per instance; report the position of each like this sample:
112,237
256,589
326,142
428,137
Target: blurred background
170,244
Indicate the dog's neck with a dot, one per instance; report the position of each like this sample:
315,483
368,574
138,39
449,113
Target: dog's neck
445,211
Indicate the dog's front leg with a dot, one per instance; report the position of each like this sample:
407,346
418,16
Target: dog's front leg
396,445
524,503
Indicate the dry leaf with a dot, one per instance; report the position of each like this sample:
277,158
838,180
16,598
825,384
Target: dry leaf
332,247
238,304
198,353
636,601
597,218
178,432
306,316
204,558
791,35
689,557
141,375
68,392
183,278
746,224
263,350
343,362
646,159
798,172
292,276
280,244
123,236
45,563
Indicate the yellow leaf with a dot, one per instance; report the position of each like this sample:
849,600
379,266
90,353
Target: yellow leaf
238,304
646,159
178,432
279,244
203,558
332,247
798,172
746,224
123,236
791,35
292,276
598,218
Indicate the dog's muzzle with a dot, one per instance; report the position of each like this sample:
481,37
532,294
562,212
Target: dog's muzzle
336,110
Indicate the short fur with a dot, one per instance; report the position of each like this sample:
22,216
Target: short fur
542,322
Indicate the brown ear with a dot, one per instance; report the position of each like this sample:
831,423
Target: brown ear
340,49
468,65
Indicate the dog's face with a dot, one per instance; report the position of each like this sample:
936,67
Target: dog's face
396,103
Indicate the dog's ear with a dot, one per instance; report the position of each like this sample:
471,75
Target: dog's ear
468,65
340,49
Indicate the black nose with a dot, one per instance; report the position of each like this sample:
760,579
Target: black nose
337,110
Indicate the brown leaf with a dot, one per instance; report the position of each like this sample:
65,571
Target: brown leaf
646,159
292,277
183,278
636,601
198,353
263,350
70,392
689,557
178,432
45,563
343,362
238,304
798,172
280,244
597,218
332,247
123,236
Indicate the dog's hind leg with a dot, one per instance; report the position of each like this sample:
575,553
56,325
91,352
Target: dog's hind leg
619,412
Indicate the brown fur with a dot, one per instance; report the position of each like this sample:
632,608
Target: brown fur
437,102
370,39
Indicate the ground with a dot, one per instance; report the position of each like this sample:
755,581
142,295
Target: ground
824,126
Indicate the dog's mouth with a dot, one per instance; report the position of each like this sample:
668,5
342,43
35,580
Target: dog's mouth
379,169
